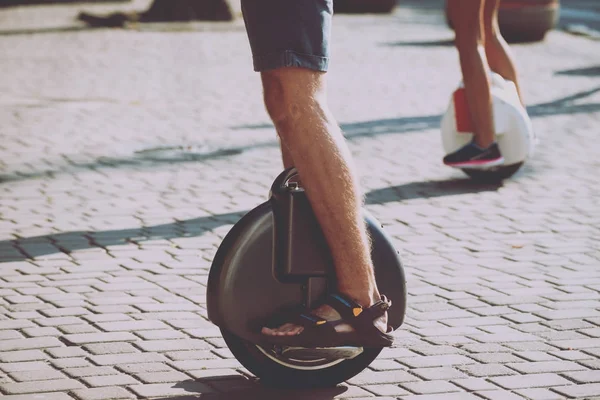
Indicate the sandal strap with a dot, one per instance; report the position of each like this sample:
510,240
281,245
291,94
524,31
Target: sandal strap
308,320
354,313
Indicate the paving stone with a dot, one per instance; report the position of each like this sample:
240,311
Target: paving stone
377,365
132,325
535,356
529,381
374,378
386,390
115,359
22,355
579,391
539,394
484,370
430,387
103,393
438,373
56,385
84,338
39,396
76,362
15,324
58,321
79,372
109,380
36,375
499,395
495,358
145,367
77,329
474,384
161,377
584,376
172,345
110,348
576,344
443,396
192,355
66,352
545,366
436,361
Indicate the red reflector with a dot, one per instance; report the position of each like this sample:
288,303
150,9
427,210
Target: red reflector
462,115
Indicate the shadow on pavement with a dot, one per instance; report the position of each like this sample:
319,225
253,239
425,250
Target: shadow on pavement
429,189
151,158
66,242
431,43
236,387
590,71
14,3
44,30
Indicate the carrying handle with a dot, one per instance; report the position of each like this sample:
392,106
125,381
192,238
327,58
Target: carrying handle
282,180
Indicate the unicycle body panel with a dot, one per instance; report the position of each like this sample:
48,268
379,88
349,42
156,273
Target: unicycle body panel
275,257
243,291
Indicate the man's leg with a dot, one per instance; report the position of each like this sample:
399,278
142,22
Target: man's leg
297,103
289,41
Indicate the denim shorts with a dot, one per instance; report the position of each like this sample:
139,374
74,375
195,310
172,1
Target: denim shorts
288,33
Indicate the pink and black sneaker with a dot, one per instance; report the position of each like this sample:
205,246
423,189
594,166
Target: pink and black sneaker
473,156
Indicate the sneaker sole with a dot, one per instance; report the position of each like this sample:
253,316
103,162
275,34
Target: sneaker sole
478,164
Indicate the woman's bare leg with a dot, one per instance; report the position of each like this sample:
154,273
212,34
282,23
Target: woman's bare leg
497,51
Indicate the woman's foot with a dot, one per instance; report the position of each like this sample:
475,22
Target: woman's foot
475,157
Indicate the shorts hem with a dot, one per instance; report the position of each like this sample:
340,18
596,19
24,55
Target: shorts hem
290,58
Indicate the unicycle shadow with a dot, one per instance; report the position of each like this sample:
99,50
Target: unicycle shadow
237,387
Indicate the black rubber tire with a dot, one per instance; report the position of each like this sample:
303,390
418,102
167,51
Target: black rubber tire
493,175
364,6
277,375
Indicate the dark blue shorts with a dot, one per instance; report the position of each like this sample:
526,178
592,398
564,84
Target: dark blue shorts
289,33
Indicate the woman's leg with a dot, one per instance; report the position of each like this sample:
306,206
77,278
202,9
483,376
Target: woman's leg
498,53
467,16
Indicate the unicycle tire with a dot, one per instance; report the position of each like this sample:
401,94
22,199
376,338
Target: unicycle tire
274,373
493,175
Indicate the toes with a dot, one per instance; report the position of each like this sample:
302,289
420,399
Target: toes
283,330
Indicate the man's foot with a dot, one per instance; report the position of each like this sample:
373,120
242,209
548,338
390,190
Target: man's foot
327,313
473,156
338,322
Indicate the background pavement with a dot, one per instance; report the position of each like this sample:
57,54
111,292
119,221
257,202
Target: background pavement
127,155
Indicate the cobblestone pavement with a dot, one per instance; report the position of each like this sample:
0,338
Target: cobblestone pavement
126,156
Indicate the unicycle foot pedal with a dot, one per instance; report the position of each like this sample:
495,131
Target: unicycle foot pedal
331,353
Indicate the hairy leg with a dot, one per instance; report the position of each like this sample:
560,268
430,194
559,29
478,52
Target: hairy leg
497,51
467,16
297,103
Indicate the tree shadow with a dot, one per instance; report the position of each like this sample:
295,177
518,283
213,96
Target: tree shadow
31,31
429,189
425,43
26,248
153,158
589,71
236,387
14,3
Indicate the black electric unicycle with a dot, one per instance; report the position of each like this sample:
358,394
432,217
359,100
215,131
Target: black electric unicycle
276,257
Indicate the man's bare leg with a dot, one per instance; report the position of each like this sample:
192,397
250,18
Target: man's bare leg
297,103
467,19
497,51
